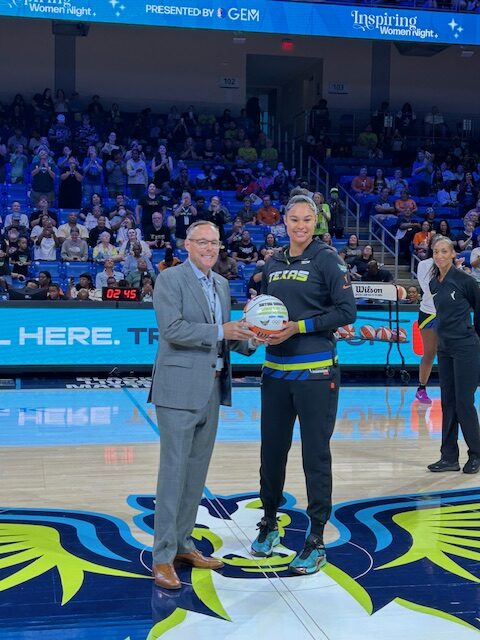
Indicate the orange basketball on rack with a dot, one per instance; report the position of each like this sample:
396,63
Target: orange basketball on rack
401,292
347,332
368,332
383,333
402,335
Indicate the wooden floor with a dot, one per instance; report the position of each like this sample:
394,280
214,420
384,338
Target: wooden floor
77,477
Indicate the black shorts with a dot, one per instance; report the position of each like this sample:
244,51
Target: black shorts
427,320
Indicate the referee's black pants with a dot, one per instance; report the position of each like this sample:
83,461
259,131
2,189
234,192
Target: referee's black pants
459,373
315,404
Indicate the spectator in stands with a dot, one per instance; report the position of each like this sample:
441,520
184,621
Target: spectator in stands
16,213
185,214
218,214
74,248
359,264
406,119
225,179
323,215
147,205
269,155
170,260
375,273
229,153
18,165
267,214
162,166
92,173
206,179
467,192
246,213
70,191
362,185
108,272
270,244
235,234
116,170
405,203
406,229
474,214
351,251
157,235
437,181
54,292
379,182
475,263
225,265
132,240
367,138
4,261
131,259
137,175
413,295
248,186
121,235
430,216
72,223
43,178
59,134
245,251
135,278
189,151
86,135
85,282
422,170
119,212
421,240
443,229
397,184
45,244
384,209
434,124
247,152
254,285
42,210
20,259
326,238
182,182
447,194
45,221
465,240
105,250
146,293
16,139
337,214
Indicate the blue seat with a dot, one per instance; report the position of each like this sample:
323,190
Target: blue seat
54,267
75,269
237,290
157,256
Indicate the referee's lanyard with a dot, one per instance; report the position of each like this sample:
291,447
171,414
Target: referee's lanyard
208,285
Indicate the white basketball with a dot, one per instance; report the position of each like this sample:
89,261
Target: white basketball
265,315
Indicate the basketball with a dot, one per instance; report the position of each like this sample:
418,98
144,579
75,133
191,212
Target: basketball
383,333
401,292
347,332
402,335
368,332
265,315
336,335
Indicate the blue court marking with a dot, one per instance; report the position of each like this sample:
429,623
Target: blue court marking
72,417
141,410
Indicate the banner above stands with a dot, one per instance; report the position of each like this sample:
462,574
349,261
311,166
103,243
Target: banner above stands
263,16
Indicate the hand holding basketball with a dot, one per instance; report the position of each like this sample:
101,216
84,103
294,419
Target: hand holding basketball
237,330
289,330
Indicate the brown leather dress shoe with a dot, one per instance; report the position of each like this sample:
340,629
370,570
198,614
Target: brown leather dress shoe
196,559
166,576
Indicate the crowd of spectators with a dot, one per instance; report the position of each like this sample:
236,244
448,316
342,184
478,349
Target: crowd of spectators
115,194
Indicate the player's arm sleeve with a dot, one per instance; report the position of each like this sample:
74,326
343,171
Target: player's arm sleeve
473,296
423,276
168,305
342,309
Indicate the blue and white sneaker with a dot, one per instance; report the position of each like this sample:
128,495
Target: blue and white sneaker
268,538
312,557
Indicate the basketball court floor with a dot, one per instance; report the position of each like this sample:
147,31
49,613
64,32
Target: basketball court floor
78,471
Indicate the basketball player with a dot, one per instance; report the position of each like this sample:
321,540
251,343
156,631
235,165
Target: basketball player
301,376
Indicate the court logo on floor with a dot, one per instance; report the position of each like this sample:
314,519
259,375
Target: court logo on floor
58,566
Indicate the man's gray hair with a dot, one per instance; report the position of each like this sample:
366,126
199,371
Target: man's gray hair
201,223
301,199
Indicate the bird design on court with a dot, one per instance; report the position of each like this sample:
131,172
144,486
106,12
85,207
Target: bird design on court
420,551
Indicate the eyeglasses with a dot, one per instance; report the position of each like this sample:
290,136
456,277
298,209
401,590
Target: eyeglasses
204,243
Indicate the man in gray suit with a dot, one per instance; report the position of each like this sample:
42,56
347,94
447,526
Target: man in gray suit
191,378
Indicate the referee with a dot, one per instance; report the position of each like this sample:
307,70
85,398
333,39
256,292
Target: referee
456,295
301,377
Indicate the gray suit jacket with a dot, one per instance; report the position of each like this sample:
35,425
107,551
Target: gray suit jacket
184,370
